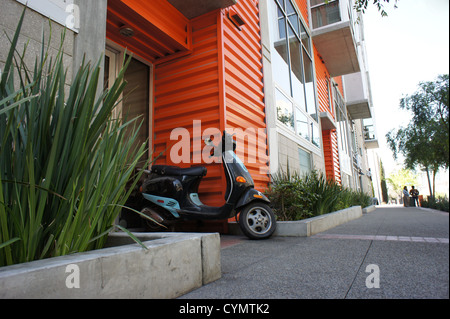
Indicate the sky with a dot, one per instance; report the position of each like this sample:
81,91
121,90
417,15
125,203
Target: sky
408,46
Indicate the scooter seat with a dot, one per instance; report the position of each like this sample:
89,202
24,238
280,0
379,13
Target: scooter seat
177,171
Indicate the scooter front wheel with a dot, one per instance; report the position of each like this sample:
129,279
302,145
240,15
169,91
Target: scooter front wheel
257,221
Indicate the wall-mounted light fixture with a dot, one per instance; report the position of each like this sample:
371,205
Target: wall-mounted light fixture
235,19
126,31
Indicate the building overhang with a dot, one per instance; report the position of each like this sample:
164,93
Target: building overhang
326,121
154,30
371,144
359,109
195,8
336,46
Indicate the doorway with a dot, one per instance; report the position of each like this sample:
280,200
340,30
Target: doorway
135,101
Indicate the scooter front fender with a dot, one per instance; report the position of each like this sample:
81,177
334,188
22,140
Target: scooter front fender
249,196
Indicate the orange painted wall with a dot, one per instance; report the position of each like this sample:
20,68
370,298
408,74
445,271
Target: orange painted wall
219,83
329,137
331,153
244,87
188,89
338,81
322,75
303,6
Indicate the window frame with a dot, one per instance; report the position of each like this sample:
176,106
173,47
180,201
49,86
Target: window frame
305,50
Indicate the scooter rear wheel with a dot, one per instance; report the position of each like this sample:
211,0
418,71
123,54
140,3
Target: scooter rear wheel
257,221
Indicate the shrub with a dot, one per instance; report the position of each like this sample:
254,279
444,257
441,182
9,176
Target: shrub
289,198
440,203
64,160
295,197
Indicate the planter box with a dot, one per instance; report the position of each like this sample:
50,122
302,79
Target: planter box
173,265
369,209
310,226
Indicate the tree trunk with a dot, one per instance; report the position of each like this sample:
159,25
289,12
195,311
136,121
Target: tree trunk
434,183
429,182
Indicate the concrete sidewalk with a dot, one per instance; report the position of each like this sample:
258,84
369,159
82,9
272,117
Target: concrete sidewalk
407,247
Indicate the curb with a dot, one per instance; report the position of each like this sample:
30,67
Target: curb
310,226
369,209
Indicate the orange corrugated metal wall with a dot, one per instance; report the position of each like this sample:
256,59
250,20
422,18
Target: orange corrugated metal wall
244,88
322,75
329,137
340,84
185,90
219,83
303,6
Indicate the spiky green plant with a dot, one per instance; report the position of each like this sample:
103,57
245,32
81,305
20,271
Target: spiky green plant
64,160
296,197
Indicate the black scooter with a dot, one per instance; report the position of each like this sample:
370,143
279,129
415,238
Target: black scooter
170,194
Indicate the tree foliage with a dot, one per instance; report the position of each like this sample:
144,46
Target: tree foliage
425,141
361,5
400,179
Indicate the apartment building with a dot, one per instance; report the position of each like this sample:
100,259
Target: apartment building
289,77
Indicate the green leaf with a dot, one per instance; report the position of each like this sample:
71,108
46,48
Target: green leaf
132,236
9,242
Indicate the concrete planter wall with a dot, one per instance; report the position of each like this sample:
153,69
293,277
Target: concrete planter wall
310,226
173,265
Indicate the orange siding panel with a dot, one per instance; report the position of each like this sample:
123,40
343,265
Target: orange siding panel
187,90
322,75
303,6
221,84
244,88
338,81
331,155
329,137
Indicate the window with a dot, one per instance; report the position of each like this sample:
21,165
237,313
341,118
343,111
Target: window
309,86
342,132
298,91
135,102
324,13
293,72
285,113
305,161
369,130
315,138
292,58
280,57
302,124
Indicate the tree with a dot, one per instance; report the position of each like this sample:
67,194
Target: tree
425,141
361,5
384,190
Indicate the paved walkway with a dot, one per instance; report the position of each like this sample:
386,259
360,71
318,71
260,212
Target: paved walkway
393,252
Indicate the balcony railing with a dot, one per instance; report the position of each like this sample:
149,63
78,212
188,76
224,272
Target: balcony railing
325,13
370,134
